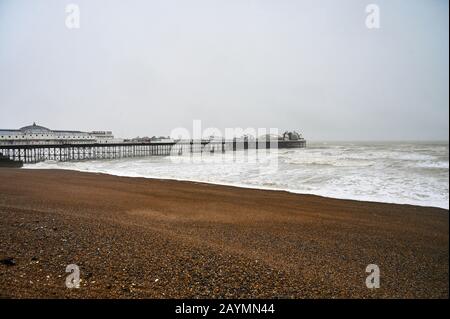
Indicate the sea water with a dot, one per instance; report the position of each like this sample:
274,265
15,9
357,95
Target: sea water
405,173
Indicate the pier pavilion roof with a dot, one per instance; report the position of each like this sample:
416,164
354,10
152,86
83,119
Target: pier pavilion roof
35,129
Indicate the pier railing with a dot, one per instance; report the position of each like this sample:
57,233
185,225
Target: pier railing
34,153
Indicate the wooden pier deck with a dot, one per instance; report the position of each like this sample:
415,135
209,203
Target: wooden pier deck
34,153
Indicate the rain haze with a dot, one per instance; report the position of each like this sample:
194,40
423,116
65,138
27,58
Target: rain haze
143,68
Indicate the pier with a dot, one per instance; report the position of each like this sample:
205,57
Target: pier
34,153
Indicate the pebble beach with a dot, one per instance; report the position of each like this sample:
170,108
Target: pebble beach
148,238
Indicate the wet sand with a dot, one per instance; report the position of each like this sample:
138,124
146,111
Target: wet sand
146,238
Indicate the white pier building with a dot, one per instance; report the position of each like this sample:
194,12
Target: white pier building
36,134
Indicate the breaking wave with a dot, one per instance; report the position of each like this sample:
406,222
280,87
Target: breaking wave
405,173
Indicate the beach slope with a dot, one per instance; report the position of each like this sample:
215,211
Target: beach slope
146,238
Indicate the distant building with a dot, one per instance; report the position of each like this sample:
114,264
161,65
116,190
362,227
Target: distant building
103,136
36,134
154,139
292,136
286,136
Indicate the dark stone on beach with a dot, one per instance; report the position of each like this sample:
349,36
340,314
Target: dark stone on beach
8,261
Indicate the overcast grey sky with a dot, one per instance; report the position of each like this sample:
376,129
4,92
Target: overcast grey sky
146,67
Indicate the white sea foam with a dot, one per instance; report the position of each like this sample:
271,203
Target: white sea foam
406,173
